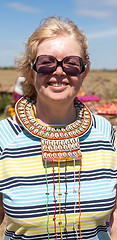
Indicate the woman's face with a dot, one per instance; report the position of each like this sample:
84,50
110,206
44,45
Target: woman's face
57,86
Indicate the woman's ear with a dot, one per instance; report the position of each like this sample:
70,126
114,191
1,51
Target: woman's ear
84,74
32,76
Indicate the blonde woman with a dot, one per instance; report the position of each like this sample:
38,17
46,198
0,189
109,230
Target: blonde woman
58,168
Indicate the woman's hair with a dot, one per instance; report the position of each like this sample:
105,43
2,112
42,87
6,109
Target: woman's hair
49,28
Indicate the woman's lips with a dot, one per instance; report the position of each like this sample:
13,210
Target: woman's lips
56,84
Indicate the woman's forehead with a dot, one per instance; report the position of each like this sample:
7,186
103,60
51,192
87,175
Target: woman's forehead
62,44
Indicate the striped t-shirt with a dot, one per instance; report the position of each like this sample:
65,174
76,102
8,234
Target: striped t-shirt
43,200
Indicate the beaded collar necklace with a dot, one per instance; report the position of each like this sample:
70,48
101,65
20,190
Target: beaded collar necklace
56,142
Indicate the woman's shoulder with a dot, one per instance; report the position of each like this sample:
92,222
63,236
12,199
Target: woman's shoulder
9,129
99,120
104,127
9,124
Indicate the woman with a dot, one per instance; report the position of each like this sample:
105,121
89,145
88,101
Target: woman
58,172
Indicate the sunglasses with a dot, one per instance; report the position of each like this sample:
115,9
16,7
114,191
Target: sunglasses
47,64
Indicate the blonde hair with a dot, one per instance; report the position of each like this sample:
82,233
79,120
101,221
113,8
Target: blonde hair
49,28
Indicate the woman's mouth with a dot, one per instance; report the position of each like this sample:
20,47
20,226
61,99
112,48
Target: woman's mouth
57,84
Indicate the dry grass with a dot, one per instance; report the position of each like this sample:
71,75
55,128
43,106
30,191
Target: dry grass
8,77
102,83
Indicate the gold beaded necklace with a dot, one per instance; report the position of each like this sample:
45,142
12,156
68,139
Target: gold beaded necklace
56,142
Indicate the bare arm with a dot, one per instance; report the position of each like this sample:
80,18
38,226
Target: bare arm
114,221
1,209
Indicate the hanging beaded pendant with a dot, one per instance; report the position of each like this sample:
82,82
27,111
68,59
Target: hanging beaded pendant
56,143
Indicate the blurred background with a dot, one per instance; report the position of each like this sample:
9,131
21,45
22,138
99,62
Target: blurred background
98,20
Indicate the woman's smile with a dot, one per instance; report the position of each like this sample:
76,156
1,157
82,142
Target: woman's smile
58,83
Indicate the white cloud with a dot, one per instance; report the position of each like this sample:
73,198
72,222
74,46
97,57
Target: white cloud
94,13
102,34
111,2
101,9
91,3
23,8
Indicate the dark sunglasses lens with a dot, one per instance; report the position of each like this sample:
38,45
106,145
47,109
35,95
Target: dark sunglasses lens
45,64
73,65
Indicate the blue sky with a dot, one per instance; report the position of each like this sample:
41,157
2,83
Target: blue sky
98,20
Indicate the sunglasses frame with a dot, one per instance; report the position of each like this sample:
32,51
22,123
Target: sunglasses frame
59,63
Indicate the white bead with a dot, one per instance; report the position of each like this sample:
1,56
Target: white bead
60,155
56,135
31,128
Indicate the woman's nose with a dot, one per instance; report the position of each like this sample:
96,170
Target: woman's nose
59,71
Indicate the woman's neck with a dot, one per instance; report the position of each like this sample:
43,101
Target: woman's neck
56,114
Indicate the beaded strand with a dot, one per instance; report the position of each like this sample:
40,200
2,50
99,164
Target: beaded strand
54,218
74,191
60,223
65,198
79,200
47,200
